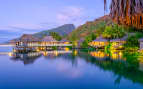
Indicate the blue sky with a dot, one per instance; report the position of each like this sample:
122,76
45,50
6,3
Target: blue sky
30,16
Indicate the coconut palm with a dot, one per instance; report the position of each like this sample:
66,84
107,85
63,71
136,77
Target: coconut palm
128,12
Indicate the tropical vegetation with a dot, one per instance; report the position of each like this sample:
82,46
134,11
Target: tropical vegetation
56,36
113,32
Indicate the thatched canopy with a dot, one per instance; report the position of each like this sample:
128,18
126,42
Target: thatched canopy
28,38
48,39
64,40
119,39
100,39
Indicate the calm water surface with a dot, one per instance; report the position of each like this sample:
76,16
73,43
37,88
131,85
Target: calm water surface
70,70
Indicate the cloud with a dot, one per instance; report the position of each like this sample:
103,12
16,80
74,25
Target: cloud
71,14
26,26
23,28
65,15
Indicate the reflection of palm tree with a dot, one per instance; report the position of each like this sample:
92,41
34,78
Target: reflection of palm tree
118,79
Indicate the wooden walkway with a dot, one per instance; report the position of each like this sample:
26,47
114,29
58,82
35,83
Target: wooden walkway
46,45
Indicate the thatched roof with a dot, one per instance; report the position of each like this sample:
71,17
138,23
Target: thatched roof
64,40
100,39
48,39
28,38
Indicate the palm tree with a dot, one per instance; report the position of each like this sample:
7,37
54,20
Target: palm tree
127,12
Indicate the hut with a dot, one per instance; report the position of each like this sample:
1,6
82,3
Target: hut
26,43
141,43
118,43
99,43
48,40
27,40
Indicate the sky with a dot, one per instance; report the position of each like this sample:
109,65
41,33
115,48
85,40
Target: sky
29,16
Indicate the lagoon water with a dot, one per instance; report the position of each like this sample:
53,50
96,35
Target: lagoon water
70,70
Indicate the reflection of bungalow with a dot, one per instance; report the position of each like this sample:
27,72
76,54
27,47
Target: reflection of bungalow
99,54
116,55
141,43
28,58
140,59
99,43
118,43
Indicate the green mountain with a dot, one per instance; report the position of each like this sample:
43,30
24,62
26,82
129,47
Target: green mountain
61,30
97,27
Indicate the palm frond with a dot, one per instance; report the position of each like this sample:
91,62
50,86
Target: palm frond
127,12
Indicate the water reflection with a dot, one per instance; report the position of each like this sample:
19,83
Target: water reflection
26,58
31,57
124,65
102,54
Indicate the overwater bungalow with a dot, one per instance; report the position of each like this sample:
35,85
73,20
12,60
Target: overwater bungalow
27,40
26,43
99,43
141,43
117,44
48,40
30,43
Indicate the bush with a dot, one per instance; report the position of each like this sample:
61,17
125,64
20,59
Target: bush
113,32
132,42
88,39
139,35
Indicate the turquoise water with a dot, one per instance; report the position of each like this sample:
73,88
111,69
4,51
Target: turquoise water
70,70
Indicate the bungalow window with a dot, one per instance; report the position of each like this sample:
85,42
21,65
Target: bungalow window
21,43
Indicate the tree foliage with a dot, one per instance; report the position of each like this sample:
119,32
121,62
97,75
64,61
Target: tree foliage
132,42
55,35
88,39
112,32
